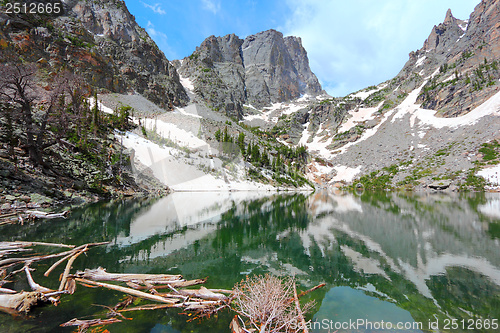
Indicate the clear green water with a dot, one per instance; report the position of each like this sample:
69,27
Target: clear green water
384,257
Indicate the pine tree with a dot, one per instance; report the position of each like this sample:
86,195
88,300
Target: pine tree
241,142
218,135
264,160
255,154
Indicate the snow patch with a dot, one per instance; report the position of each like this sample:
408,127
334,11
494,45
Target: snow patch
364,94
492,175
186,83
358,116
174,133
490,107
101,106
420,61
345,173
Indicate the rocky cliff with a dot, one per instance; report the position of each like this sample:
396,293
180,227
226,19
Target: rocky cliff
261,69
466,53
99,40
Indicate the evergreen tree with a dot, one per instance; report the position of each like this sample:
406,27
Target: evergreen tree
218,135
264,160
241,142
255,154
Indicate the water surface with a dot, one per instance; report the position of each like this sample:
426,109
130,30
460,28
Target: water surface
387,259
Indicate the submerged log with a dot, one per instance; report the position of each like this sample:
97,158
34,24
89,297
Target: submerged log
83,325
126,290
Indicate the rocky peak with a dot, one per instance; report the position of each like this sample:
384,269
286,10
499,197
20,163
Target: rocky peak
459,60
221,49
449,19
308,81
261,69
444,34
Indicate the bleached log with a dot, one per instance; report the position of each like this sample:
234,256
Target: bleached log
71,260
7,291
126,290
175,284
43,215
33,285
21,302
100,274
84,324
11,261
202,293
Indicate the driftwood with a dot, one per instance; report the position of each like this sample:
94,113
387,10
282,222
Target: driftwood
7,291
83,325
203,302
21,302
202,293
100,274
36,214
11,261
299,310
126,290
175,284
13,301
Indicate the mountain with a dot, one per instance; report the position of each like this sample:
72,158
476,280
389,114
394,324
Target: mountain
437,121
55,143
264,68
99,40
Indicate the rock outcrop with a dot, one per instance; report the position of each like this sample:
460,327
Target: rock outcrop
466,53
101,41
262,69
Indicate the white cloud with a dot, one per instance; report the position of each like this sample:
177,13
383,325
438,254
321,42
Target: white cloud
355,44
211,6
155,8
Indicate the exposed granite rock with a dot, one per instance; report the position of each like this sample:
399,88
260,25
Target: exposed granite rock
262,69
466,55
99,40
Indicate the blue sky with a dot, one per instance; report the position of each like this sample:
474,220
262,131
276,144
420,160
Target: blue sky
351,44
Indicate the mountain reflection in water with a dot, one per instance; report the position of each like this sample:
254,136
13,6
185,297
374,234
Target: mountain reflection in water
383,256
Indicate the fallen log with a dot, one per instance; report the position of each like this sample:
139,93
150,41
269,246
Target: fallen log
202,293
33,285
126,290
21,302
71,260
36,214
7,291
100,274
300,315
177,284
83,325
11,261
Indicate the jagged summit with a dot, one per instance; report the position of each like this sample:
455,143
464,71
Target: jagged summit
445,34
261,69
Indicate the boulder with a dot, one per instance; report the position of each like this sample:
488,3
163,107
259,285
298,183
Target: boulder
440,184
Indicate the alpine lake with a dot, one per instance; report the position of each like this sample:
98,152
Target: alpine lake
391,262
